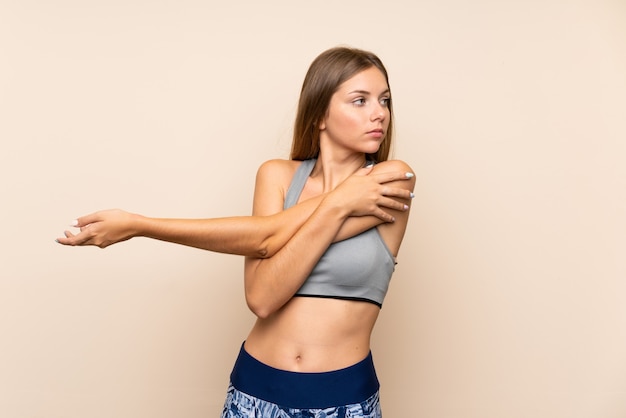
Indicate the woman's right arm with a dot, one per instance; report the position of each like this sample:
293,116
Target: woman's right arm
254,236
243,235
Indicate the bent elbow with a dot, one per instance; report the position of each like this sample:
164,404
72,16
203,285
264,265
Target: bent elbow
260,305
262,252
260,310
266,249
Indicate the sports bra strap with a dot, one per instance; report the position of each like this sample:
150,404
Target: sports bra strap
297,183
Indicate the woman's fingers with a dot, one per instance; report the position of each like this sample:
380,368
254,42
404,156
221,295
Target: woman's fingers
392,198
398,192
82,238
392,204
87,219
67,239
382,215
390,176
85,234
390,191
384,177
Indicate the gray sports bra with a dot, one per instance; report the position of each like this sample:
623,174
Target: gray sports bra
358,268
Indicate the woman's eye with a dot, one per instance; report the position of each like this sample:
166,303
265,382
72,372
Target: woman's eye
385,101
359,102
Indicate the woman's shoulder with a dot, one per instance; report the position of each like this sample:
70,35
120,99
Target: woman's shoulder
278,167
395,166
392,165
278,172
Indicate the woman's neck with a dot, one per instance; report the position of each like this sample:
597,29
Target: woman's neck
332,170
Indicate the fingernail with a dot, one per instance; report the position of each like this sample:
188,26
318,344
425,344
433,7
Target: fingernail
74,222
409,175
412,195
406,207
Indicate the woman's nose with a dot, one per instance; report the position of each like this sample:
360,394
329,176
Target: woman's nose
378,112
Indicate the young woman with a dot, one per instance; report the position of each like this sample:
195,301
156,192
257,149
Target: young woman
320,247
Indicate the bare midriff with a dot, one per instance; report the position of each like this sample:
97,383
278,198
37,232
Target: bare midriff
312,335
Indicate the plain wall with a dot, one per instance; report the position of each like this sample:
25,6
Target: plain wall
509,297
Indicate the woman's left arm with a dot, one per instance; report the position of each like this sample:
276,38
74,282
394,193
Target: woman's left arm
271,282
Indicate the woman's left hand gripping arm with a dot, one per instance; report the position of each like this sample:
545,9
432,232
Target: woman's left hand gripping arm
272,282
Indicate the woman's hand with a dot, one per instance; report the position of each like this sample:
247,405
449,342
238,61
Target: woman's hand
102,229
366,194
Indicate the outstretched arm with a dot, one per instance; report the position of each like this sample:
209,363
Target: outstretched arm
255,236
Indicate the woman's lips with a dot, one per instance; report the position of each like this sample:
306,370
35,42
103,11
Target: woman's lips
376,133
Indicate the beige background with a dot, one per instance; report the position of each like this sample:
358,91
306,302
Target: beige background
508,301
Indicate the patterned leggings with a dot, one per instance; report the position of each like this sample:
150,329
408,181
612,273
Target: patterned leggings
242,405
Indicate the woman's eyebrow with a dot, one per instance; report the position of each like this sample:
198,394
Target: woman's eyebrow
365,92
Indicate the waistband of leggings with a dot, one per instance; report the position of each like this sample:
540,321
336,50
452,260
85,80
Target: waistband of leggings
351,385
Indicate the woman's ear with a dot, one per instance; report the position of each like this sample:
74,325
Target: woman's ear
321,125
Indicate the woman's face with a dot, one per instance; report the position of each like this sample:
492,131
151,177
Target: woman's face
358,114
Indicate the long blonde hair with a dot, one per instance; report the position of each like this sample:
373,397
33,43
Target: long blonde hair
326,73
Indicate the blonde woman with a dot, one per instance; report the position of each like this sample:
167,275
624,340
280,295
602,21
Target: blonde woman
320,247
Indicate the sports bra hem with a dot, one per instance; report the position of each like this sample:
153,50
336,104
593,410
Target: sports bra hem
352,298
